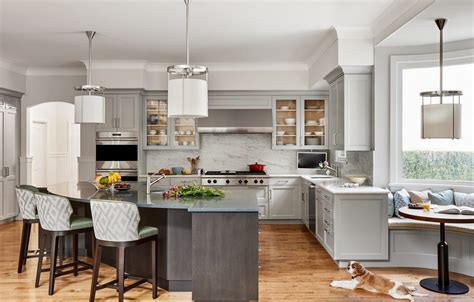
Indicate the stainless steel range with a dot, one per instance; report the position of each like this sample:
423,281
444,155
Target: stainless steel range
234,178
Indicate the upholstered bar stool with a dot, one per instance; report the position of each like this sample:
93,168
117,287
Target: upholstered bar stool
116,225
25,196
57,221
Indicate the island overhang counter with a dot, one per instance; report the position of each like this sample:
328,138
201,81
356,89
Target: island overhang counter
207,245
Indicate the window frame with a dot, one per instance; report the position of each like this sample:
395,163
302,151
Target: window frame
397,64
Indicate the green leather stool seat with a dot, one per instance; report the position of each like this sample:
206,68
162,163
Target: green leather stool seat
147,231
78,222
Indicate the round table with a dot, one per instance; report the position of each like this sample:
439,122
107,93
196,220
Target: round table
442,284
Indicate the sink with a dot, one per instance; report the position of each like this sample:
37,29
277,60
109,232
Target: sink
157,191
321,176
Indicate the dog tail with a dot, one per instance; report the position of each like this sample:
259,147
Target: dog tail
412,291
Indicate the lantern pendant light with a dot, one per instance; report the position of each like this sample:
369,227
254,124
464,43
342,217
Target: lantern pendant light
187,85
89,108
441,120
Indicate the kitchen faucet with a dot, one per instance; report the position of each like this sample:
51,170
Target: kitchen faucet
150,183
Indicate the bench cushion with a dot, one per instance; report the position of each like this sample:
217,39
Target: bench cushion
396,223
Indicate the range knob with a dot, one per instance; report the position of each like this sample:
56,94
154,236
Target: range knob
261,181
208,181
240,181
227,181
255,181
214,181
246,181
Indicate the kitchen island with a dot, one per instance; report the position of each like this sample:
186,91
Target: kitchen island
206,245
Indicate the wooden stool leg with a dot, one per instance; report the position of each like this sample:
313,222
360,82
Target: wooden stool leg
121,271
28,232
75,252
42,250
22,255
153,268
61,249
54,257
95,272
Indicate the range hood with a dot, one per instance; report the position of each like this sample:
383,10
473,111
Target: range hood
236,121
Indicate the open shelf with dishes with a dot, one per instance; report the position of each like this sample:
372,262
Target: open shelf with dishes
167,133
285,121
313,126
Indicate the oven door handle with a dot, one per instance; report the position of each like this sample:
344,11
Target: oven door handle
117,142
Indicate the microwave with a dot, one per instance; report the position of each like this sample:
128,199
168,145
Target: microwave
309,161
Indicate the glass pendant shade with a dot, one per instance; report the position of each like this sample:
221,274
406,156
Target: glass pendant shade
187,97
89,109
441,121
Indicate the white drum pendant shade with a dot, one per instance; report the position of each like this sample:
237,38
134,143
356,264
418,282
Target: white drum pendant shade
187,97
441,121
89,109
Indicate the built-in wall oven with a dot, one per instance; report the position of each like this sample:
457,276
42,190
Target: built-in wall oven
117,151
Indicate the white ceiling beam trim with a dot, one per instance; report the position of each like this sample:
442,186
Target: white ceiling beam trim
4,64
55,71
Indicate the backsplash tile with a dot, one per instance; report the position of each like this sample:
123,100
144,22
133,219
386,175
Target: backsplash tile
358,163
228,151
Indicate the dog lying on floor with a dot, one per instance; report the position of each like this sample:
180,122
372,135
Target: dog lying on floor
362,278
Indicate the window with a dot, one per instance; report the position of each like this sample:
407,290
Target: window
431,160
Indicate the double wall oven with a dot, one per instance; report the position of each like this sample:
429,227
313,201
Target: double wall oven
117,151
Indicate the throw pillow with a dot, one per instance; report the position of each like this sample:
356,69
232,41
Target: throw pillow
391,207
419,196
400,199
442,198
464,199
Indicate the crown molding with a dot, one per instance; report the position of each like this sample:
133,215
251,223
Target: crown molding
396,15
56,71
115,64
4,64
329,39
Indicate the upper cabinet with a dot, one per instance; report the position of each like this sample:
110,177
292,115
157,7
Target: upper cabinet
121,113
350,110
299,122
162,132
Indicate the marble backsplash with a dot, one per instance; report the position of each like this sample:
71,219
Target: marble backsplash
228,151
357,163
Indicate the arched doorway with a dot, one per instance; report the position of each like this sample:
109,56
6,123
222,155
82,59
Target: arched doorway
53,143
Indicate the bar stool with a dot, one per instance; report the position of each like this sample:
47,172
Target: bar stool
25,196
56,221
116,225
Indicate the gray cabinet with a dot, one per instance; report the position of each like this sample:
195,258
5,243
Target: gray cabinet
350,108
283,199
121,113
8,156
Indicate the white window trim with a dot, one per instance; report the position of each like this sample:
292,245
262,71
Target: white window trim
397,64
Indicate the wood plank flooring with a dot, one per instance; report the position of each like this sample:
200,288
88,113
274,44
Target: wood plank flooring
294,267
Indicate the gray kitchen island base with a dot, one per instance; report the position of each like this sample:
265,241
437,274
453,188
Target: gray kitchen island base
225,256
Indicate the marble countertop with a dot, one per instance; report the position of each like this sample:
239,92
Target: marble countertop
233,201
335,186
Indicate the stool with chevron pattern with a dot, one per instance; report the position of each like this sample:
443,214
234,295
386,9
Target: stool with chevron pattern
25,196
116,225
56,220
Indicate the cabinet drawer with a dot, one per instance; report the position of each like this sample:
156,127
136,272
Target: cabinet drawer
284,181
328,221
329,240
328,208
184,181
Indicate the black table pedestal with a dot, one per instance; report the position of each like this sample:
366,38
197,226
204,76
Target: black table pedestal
442,284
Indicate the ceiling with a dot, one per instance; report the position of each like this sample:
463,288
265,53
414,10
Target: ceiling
422,29
49,33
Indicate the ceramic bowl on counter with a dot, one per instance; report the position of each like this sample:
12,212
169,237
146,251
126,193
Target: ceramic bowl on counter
177,170
358,179
290,121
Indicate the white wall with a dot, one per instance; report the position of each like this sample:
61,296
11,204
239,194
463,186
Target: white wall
12,77
382,101
61,145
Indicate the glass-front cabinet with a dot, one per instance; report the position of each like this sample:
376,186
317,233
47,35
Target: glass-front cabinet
286,118
300,122
167,133
313,123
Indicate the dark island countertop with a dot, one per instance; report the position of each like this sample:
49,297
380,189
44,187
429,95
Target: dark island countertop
233,201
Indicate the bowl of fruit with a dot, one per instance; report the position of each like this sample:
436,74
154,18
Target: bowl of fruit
106,182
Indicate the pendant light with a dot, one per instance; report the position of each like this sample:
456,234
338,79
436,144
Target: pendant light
89,108
439,119
187,85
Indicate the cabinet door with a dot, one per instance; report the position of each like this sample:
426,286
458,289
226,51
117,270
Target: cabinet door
313,128
126,111
157,123
184,133
283,203
340,114
110,121
10,162
2,179
286,121
319,217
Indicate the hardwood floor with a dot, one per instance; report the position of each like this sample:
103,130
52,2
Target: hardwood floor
294,267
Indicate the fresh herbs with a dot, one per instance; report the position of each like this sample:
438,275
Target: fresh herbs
192,191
